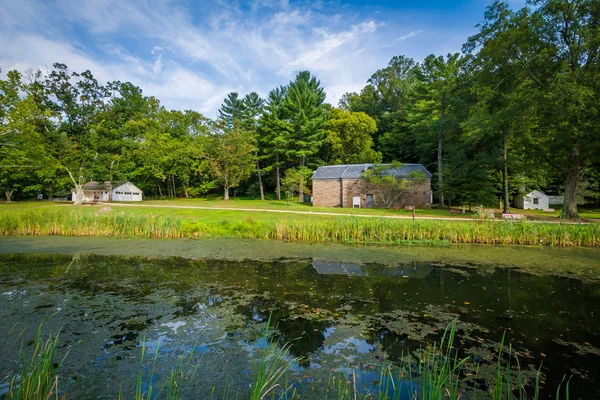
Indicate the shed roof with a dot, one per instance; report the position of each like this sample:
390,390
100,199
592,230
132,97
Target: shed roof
94,185
536,193
126,186
354,171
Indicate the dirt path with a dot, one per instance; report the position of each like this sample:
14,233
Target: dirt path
312,213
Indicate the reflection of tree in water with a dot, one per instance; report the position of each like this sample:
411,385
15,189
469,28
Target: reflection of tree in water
304,335
394,345
190,304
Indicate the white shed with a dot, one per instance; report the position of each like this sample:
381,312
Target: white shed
127,192
535,200
94,191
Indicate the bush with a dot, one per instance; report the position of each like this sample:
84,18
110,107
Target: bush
483,214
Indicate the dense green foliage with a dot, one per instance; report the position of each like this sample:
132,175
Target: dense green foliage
516,111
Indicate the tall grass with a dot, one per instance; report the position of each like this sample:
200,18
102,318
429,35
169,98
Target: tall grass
38,377
435,373
269,380
171,389
86,222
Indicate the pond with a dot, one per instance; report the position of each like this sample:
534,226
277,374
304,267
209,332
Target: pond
340,317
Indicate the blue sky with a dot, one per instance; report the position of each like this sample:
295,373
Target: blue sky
191,53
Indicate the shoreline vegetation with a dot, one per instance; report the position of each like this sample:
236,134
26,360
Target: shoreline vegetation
433,372
166,224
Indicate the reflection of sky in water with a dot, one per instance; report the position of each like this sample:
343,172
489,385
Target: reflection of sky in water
351,343
174,325
372,382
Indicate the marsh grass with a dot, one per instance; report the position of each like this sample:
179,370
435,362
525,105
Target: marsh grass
88,222
435,372
171,389
270,378
438,373
38,377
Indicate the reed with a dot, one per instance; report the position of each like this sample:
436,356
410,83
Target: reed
268,381
436,372
38,377
309,228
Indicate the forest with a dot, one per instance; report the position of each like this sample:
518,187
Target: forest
516,109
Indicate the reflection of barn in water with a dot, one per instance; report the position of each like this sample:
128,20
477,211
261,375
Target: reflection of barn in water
414,269
337,268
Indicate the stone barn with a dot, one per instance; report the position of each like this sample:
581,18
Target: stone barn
343,185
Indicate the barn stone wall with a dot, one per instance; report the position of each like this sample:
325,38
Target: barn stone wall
327,193
330,193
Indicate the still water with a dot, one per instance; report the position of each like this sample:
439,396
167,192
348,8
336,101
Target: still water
340,318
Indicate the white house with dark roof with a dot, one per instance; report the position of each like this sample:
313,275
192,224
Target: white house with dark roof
534,200
99,191
344,186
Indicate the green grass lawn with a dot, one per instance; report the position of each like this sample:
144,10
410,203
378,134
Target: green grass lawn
296,206
592,215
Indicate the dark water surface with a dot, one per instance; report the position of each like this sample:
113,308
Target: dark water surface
339,316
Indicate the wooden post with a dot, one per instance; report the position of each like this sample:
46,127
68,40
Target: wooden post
413,213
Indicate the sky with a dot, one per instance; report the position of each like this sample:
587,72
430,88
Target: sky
191,53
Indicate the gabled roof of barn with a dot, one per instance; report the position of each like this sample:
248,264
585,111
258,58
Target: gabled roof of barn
355,171
536,193
128,185
93,185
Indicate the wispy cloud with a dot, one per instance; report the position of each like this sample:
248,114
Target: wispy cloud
409,35
191,56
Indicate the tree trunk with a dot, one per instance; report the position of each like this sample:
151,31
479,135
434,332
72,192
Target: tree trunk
278,179
260,184
50,193
174,187
505,175
301,189
78,187
78,195
506,205
8,194
159,191
440,154
110,180
226,190
569,209
186,188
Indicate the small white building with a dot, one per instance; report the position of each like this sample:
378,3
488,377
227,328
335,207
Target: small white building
127,192
535,200
99,191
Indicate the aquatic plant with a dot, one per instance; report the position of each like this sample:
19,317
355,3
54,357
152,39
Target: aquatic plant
268,379
38,377
435,372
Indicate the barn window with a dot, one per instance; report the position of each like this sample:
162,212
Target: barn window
536,200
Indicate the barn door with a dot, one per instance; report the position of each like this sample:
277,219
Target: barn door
370,202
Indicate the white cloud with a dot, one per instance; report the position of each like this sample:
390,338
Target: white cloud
190,59
409,35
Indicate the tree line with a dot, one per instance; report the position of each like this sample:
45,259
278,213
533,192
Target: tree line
517,109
